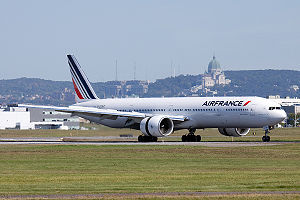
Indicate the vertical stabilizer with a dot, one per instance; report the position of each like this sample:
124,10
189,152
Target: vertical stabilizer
81,83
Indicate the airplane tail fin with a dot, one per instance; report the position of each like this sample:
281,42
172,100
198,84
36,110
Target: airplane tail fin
82,86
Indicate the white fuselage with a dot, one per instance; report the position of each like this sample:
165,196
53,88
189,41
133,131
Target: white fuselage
202,112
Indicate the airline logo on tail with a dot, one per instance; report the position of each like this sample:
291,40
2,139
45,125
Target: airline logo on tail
81,83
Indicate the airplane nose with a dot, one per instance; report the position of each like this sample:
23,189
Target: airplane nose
279,116
283,115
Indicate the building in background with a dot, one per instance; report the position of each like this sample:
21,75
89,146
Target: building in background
214,76
13,117
122,89
46,119
287,101
294,109
291,106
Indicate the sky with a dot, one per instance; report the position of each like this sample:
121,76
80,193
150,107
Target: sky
157,36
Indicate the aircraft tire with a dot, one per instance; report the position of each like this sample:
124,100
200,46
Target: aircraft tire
141,138
192,138
154,139
198,138
266,138
184,138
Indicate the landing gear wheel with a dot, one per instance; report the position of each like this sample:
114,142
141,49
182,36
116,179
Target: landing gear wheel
198,138
184,138
143,138
191,137
266,138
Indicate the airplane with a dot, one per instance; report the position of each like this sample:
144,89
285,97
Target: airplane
160,117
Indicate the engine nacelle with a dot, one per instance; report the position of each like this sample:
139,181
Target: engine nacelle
157,126
234,132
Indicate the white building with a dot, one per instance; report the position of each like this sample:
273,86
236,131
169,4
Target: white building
287,101
214,75
14,119
52,119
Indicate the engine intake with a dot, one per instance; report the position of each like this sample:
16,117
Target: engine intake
234,132
157,126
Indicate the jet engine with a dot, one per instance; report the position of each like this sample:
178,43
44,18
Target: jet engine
234,132
157,126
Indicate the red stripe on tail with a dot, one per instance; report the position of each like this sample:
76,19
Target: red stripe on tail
76,90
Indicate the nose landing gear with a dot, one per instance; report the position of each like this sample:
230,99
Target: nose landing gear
191,137
266,138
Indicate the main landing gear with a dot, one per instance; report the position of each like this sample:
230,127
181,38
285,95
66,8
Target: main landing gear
144,138
191,137
266,138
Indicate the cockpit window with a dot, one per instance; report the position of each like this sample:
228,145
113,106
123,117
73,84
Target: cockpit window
274,108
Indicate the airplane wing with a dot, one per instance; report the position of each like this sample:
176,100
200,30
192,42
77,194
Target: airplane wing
103,113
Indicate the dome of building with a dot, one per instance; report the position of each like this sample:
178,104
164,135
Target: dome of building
213,65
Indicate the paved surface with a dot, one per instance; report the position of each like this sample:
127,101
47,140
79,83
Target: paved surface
162,194
102,141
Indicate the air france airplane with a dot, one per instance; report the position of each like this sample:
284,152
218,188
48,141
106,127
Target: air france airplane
160,117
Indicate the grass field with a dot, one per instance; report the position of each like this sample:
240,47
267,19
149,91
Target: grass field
50,169
83,169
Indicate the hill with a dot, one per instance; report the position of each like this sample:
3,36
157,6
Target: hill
36,91
244,83
264,82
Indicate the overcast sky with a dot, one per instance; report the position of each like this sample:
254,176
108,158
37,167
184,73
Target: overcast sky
37,35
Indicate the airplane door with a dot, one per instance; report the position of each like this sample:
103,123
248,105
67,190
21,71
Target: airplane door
131,108
252,110
222,116
170,108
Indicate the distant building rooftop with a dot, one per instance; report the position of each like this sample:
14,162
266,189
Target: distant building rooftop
213,65
287,101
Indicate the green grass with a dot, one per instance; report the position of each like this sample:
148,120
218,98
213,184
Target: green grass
222,197
83,169
217,197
